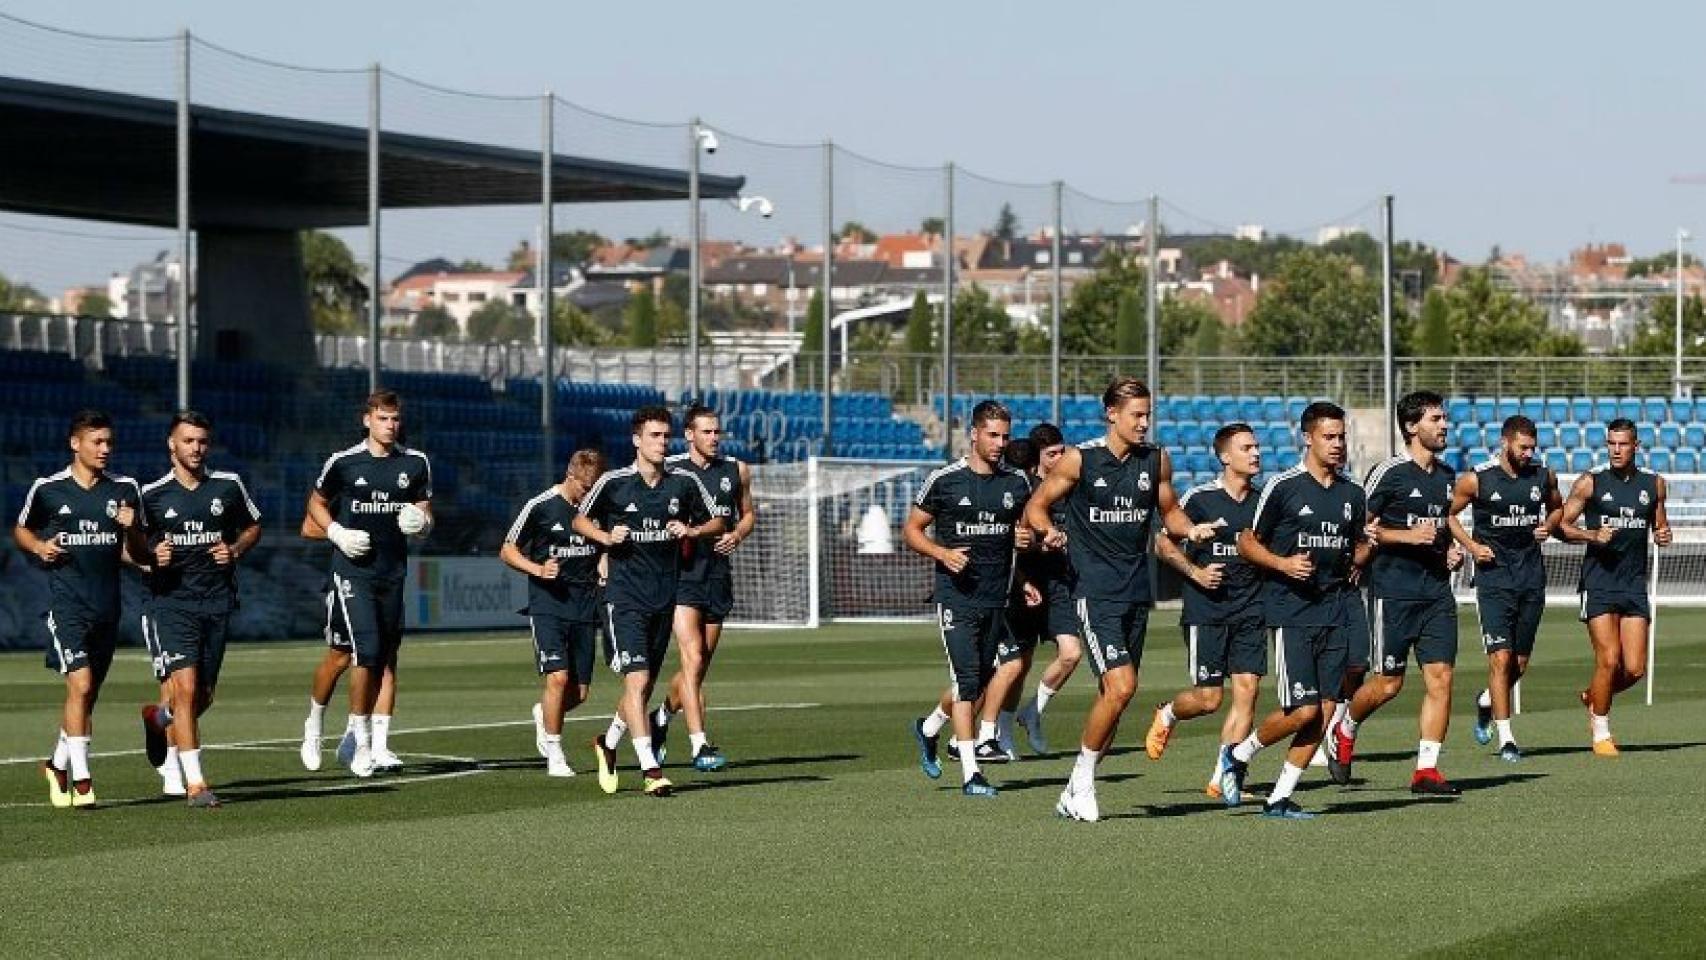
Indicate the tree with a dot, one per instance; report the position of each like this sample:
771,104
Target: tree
640,318
981,325
811,340
436,323
1087,322
1211,337
573,327
1489,322
871,337
1434,336
95,304
336,291
920,325
473,266
1316,304
1656,337
1657,265
1129,327
1181,320
857,232
932,226
498,322
1006,224
651,241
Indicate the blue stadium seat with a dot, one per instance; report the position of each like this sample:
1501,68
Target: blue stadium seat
1581,460
1534,408
1569,435
1581,409
1484,410
1629,408
1694,436
1656,409
1687,461
1469,437
1557,460
1546,435
1458,409
1670,435
1647,435
1660,459
1555,409
1505,409
1593,436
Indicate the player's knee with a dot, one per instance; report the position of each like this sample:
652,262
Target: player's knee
557,681
1119,685
1500,659
80,684
1211,698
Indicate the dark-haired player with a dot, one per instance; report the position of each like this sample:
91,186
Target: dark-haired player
974,506
1112,487
1515,506
706,592
1222,616
1409,583
197,524
74,525
1308,538
562,569
1614,509
640,514
1051,571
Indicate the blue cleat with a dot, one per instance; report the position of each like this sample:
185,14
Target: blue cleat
709,759
978,787
1231,778
1510,754
346,748
660,734
1285,809
927,759
1483,728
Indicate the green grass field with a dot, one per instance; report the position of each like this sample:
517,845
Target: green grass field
823,837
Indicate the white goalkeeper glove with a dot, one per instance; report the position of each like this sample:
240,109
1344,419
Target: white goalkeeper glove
354,543
412,520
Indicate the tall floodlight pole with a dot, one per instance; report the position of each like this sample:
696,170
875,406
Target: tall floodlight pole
373,302
948,312
547,228
1386,371
1681,238
184,284
828,293
1054,310
693,134
1151,311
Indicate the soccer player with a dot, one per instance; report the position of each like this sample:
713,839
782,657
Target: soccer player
1112,488
1515,507
562,569
74,525
640,514
705,594
196,525
1222,616
1613,509
1052,573
369,498
1409,582
974,507
1308,538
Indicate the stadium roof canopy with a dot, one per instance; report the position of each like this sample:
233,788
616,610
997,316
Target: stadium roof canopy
73,152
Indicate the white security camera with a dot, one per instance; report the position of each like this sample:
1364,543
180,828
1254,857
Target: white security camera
765,208
707,140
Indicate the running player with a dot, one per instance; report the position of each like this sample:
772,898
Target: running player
974,506
76,525
705,594
369,498
1515,507
1052,574
1222,616
1612,509
1027,624
562,570
197,524
1409,498
1112,487
1308,538
640,514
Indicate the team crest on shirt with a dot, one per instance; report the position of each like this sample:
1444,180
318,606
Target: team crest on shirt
217,507
402,481
1644,498
1007,500
728,485
1143,481
1391,662
674,504
1534,494
947,618
112,508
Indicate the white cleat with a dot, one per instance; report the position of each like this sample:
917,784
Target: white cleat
1078,805
310,745
539,730
172,780
384,760
361,762
558,766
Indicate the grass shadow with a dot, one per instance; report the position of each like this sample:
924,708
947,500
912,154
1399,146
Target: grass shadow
724,783
1032,783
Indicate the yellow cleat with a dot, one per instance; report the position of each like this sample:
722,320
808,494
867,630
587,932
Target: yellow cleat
1605,748
606,764
1155,741
659,786
58,785
83,793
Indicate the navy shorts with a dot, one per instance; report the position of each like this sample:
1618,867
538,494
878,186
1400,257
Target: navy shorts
560,644
1113,632
179,638
365,617
636,641
971,638
77,640
1596,603
1309,664
714,599
1215,650
1510,619
1428,627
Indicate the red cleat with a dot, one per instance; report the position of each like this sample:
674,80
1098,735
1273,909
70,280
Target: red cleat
1428,781
1341,750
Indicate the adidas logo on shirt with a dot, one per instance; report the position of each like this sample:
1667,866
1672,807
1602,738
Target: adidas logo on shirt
965,501
1099,482
630,508
1607,496
64,509
1306,512
170,513
1415,492
556,528
1495,497
361,481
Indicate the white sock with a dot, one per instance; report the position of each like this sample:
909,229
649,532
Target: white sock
1084,769
1045,693
613,735
1505,735
1485,700
1287,782
1168,717
79,749
316,712
1427,754
191,760
934,723
985,731
968,761
1341,710
362,727
695,741
381,732
1247,749
171,764
554,746
349,724
643,752
61,753
1601,727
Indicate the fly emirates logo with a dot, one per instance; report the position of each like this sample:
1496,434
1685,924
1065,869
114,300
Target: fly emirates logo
1125,510
1329,537
986,525
88,534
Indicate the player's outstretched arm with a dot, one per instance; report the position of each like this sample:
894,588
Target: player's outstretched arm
1173,517
1055,487
1169,553
1569,520
748,516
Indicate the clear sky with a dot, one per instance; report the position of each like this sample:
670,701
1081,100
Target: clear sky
1533,126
